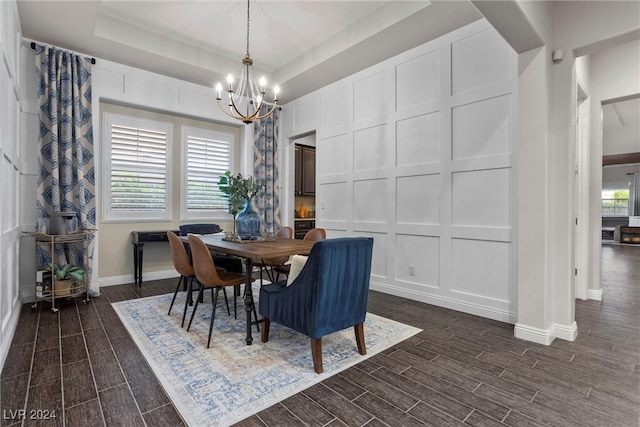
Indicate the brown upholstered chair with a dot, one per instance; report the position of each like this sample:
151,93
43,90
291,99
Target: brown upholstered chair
268,264
313,235
208,277
182,264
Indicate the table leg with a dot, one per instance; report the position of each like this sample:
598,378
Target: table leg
137,263
248,297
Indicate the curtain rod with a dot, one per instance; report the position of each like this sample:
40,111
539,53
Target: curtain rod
33,46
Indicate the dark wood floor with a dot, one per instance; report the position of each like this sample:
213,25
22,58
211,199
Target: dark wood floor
81,365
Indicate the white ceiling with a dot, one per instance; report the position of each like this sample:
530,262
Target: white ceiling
300,45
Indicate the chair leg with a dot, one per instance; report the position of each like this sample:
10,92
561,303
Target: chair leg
226,301
265,329
188,301
213,313
195,307
174,295
359,330
316,353
269,271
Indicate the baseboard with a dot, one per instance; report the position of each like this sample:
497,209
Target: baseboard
128,278
463,306
546,336
567,332
537,335
595,294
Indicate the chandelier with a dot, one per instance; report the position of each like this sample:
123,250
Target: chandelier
246,101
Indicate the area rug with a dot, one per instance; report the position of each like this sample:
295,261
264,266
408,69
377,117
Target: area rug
230,381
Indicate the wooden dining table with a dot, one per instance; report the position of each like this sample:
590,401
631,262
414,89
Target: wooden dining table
258,250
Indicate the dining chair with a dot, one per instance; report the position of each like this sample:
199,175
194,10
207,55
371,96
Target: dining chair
206,274
182,264
329,294
267,264
228,262
313,235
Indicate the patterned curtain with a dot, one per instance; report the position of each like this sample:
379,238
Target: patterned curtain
65,145
265,166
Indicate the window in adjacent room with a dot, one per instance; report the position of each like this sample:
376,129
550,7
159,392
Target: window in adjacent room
206,155
615,202
136,169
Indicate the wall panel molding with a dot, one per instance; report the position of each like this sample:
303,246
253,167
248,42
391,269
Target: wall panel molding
429,175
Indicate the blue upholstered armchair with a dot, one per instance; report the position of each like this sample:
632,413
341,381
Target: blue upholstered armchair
329,294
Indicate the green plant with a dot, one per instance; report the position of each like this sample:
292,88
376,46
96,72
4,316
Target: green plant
238,189
66,272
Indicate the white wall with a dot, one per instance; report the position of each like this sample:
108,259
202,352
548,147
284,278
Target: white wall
417,152
548,109
11,168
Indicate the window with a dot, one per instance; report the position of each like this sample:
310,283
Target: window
206,155
136,168
615,202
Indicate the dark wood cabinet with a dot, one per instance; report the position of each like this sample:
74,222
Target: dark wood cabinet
305,170
302,226
298,170
308,171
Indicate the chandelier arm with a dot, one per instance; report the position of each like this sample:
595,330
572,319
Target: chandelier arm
238,115
267,114
247,119
224,110
235,108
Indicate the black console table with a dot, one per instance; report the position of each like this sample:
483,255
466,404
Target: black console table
139,238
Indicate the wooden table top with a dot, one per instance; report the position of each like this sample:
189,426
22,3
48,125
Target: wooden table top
257,249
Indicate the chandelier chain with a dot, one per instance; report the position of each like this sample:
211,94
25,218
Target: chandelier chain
248,18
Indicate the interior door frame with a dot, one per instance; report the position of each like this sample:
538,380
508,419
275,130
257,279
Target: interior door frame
582,174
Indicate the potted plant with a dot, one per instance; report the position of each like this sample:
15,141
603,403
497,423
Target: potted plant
65,275
240,192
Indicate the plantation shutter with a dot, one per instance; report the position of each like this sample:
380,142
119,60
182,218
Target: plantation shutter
209,156
138,166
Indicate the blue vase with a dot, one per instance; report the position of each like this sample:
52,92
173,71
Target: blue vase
249,221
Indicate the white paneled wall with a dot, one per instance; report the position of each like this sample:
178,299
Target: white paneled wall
417,152
10,173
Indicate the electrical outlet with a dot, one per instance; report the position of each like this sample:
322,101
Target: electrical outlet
412,270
